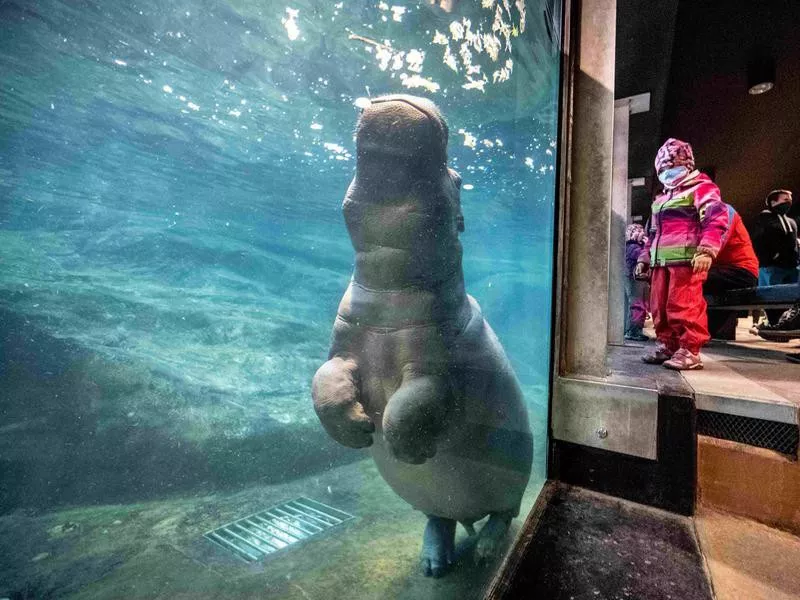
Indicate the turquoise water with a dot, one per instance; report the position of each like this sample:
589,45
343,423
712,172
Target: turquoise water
173,249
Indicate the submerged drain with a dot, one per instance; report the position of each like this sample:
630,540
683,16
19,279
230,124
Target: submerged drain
268,531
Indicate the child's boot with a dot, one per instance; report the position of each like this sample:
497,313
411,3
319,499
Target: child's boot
684,360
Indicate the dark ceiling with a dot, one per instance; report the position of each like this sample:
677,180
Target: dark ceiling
692,57
751,144
645,32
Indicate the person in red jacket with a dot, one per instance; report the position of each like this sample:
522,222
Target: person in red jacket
736,267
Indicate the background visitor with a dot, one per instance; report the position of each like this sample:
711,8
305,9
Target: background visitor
775,241
637,292
736,267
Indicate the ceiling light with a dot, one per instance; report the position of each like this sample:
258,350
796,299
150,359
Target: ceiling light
760,75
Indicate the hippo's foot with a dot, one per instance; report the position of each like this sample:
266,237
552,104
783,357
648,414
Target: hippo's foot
336,393
415,416
438,546
491,535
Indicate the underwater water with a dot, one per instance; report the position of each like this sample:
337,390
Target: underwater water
172,248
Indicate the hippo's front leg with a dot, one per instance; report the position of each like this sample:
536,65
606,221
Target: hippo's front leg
416,415
336,394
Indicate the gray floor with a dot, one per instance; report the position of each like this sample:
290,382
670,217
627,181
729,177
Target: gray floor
589,545
750,367
748,377
627,368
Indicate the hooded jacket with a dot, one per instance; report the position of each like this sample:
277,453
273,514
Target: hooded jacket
632,251
686,219
635,239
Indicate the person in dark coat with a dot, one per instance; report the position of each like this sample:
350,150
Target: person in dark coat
775,241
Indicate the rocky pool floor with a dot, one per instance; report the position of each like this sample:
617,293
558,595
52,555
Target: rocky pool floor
156,549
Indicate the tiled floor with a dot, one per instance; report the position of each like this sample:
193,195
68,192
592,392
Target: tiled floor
761,361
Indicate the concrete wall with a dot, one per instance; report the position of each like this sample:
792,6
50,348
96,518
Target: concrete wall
588,197
620,213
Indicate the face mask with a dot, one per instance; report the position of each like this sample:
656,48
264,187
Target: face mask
782,208
669,177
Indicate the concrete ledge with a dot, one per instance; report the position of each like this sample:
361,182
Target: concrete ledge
647,447
759,484
779,411
719,388
606,416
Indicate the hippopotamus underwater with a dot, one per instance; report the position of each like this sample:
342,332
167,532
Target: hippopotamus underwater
415,373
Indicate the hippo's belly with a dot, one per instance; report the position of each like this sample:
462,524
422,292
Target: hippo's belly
483,459
465,481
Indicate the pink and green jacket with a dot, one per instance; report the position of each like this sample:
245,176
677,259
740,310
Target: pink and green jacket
687,219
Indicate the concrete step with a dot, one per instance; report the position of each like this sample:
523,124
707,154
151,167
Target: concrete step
747,560
756,483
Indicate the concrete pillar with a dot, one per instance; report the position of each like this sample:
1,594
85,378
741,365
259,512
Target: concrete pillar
585,297
620,211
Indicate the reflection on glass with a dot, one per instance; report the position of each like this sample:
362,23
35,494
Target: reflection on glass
173,256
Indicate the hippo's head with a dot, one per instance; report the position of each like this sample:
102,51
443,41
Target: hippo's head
404,201
405,127
402,139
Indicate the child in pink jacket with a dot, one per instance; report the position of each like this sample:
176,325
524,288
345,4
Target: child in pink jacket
685,234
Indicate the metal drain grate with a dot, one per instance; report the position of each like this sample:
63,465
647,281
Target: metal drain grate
773,435
254,537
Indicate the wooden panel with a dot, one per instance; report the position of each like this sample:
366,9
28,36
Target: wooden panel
760,484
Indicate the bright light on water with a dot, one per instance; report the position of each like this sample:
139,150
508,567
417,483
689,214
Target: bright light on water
290,23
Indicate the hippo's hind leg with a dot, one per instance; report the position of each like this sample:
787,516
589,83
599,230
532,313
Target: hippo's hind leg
415,416
491,535
335,391
438,546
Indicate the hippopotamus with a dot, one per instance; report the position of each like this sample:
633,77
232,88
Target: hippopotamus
415,372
